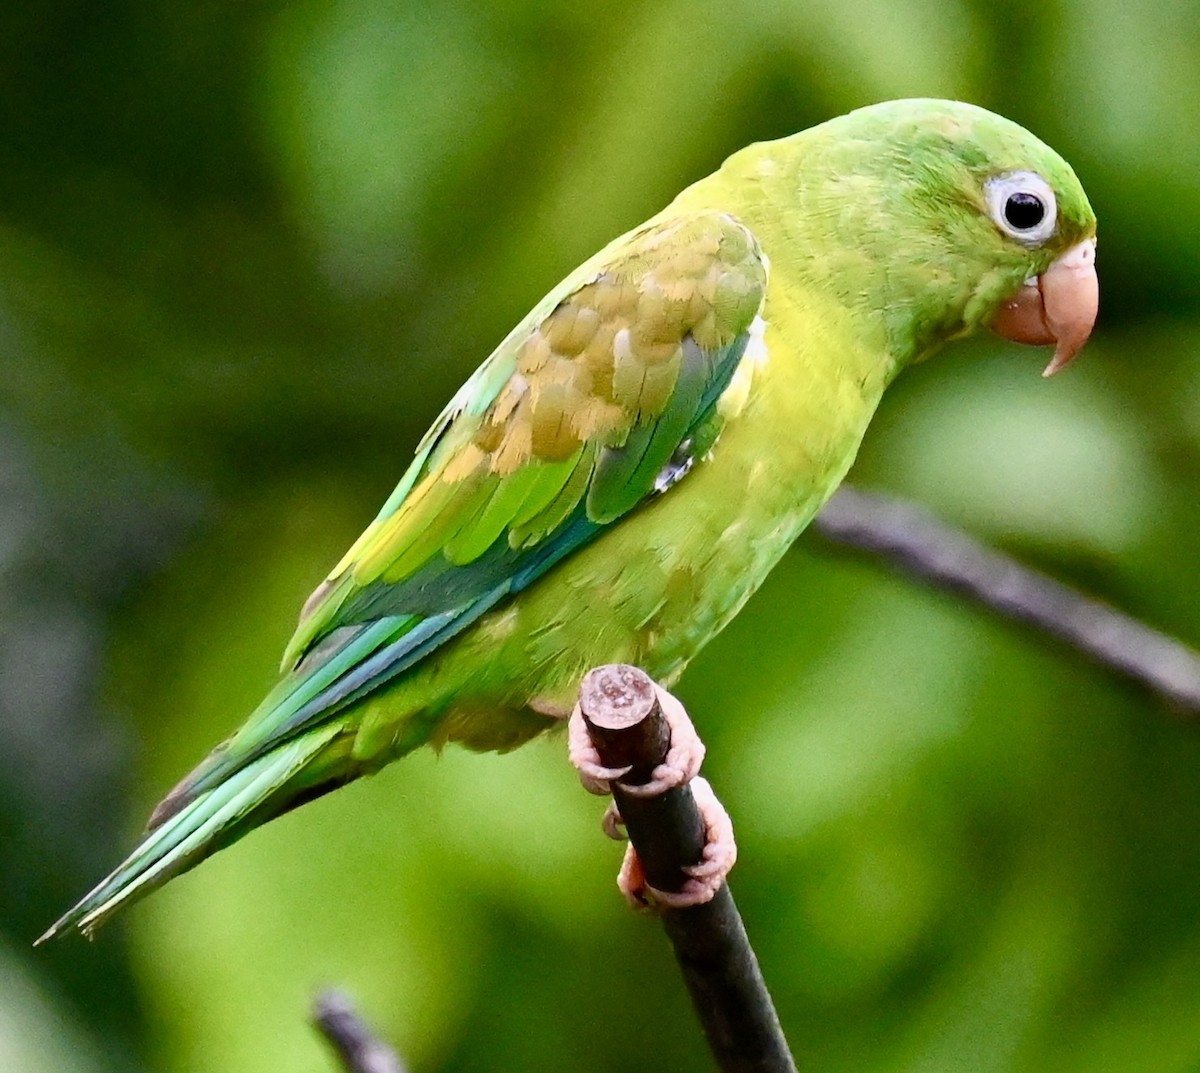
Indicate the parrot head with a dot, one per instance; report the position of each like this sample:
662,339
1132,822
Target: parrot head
997,208
933,219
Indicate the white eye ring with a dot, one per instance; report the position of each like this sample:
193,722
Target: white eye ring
1014,201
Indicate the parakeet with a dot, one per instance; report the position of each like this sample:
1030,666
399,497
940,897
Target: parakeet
625,468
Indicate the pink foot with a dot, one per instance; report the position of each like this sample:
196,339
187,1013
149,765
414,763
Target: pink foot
684,757
680,766
704,878
596,778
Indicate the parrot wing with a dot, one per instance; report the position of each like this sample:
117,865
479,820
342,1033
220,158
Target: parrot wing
596,402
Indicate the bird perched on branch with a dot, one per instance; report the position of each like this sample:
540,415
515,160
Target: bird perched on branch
623,471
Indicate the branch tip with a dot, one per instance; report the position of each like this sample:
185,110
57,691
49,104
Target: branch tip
624,717
357,1047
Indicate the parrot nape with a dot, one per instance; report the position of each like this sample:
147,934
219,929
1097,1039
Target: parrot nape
623,471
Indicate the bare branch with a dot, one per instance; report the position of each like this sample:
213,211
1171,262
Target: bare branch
358,1048
929,548
620,707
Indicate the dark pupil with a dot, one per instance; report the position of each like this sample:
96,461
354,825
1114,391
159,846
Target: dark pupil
1024,210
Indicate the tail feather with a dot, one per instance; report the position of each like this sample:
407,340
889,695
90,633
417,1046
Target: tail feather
214,819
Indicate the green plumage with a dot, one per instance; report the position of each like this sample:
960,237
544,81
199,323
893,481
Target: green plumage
622,472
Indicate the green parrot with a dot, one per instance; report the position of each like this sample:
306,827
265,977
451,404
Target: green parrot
623,471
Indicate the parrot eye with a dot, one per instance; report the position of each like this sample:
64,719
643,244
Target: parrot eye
1022,206
1024,210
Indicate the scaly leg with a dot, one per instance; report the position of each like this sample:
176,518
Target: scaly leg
704,878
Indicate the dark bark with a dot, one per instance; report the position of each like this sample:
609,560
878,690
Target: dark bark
625,722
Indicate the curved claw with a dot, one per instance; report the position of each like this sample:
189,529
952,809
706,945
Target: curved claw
612,824
683,758
595,777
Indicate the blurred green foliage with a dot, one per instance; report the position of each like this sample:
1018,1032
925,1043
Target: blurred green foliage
246,252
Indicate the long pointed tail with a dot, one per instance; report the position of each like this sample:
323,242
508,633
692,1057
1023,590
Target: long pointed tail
215,818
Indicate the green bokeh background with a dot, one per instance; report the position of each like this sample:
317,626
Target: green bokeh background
247,249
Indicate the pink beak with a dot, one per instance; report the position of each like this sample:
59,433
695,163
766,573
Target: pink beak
1059,306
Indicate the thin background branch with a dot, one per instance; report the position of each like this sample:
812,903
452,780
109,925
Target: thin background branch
357,1047
937,552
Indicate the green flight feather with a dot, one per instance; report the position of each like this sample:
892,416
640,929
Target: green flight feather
208,823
